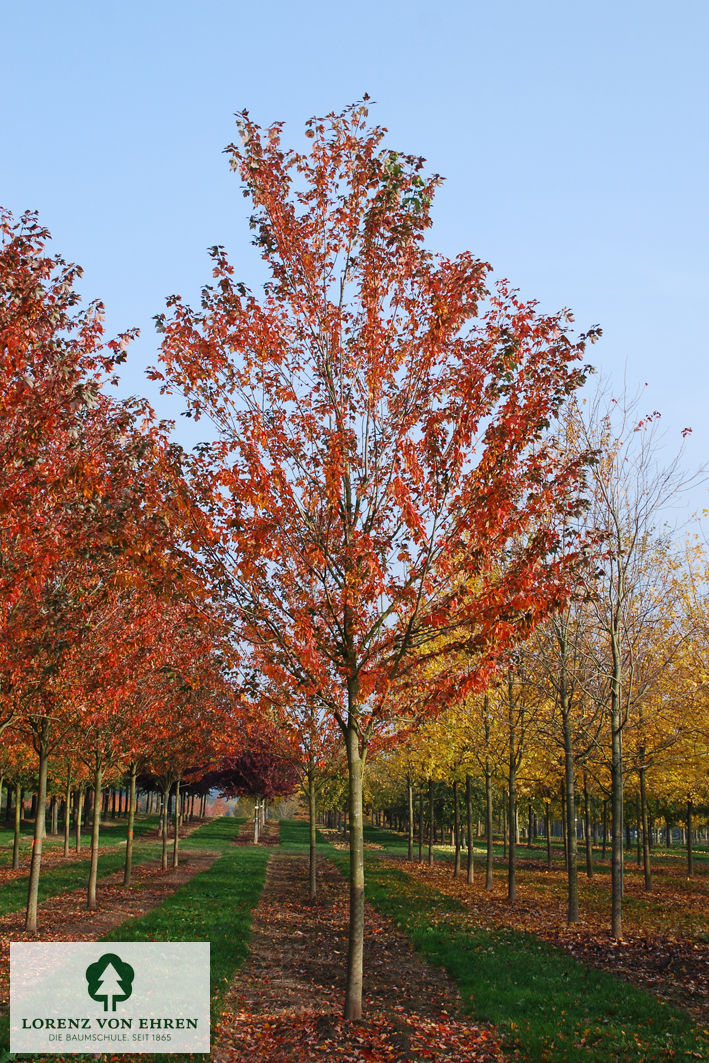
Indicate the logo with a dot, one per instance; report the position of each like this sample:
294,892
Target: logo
110,980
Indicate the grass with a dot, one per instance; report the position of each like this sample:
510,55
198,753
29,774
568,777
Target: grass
113,832
69,876
546,1005
216,906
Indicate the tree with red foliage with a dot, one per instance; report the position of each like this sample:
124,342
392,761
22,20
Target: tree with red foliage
384,471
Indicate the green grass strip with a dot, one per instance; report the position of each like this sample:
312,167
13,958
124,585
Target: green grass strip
547,1006
216,906
54,880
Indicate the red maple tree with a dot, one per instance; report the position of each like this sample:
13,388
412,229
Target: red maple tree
384,470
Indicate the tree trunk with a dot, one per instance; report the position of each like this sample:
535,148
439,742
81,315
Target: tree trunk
78,817
547,827
312,832
616,795
469,817
690,855
355,952
410,796
643,826
420,826
36,861
587,822
504,824
456,829
67,817
18,826
430,822
131,823
176,838
163,825
95,828
572,871
530,826
488,826
512,858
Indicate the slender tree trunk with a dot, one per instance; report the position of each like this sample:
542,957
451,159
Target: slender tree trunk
616,793
547,827
570,796
67,816
505,819
18,826
564,827
469,817
36,861
163,825
78,817
95,828
456,829
604,844
488,826
530,826
430,823
133,771
420,826
410,796
312,831
690,855
647,870
355,954
587,822
176,838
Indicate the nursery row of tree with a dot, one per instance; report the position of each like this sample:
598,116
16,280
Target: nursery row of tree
407,538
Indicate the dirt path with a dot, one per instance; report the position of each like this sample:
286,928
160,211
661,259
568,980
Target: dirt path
65,917
285,1004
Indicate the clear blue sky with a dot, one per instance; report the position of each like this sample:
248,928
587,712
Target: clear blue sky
573,139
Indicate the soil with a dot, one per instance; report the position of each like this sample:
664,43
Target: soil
285,1005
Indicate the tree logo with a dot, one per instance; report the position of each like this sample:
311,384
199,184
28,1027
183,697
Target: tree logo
110,980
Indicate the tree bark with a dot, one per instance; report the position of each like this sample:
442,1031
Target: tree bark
67,816
410,796
133,771
616,794
79,817
690,855
36,861
469,815
312,832
547,827
163,825
488,826
95,828
18,827
647,870
176,838
420,826
456,829
430,822
587,822
355,953
570,798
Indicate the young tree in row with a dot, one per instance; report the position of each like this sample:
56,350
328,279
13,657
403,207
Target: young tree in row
382,420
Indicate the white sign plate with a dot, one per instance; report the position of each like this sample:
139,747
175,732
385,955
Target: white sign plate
96,997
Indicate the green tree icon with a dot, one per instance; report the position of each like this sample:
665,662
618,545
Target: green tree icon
110,979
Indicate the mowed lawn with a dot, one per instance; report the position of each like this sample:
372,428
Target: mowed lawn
547,1004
